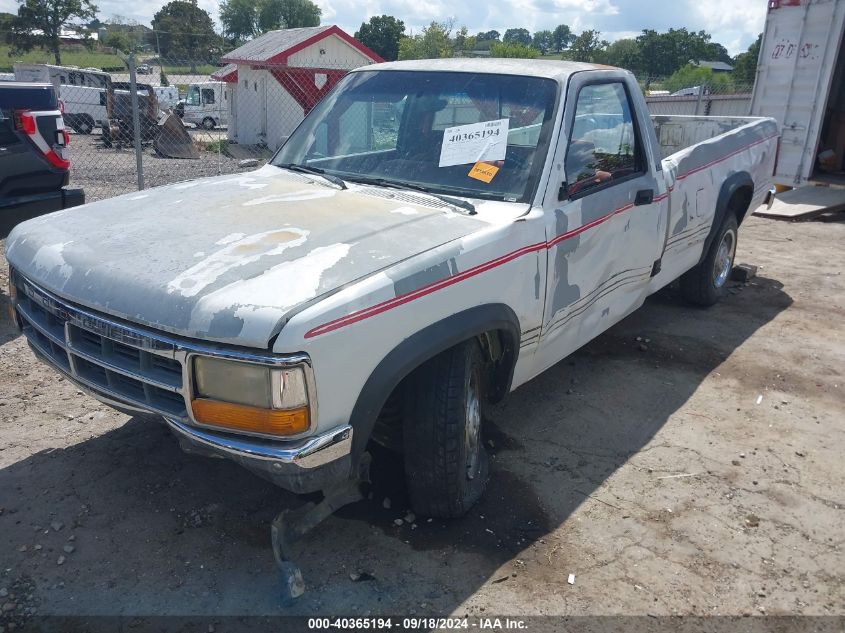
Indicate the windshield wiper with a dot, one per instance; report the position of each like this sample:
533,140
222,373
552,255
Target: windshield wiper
384,182
307,169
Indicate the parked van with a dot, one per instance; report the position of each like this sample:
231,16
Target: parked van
85,108
207,104
801,83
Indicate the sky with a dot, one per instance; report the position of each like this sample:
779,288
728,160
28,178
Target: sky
733,23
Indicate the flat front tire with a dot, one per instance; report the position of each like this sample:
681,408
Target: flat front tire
705,284
446,465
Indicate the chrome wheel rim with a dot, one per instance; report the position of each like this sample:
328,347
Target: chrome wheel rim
724,259
472,430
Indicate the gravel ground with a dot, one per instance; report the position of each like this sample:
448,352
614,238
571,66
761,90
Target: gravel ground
105,172
685,462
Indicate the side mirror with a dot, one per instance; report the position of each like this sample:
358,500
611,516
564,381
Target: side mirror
563,192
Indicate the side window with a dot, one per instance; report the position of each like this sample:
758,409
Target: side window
603,145
207,95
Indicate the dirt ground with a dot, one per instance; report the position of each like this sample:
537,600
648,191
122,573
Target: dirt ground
686,462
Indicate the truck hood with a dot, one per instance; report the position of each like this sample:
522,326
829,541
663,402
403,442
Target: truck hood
226,259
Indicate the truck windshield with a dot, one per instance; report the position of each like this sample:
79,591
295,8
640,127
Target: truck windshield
193,97
468,134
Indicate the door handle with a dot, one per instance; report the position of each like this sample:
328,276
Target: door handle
644,196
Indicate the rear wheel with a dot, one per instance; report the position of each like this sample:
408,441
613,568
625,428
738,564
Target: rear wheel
705,284
208,123
446,465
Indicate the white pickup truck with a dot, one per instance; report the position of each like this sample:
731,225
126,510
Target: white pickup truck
433,235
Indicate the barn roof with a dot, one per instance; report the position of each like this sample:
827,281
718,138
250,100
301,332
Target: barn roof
277,46
228,73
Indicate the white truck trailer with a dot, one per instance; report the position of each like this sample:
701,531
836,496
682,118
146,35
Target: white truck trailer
801,83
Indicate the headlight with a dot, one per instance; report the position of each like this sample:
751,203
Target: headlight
243,396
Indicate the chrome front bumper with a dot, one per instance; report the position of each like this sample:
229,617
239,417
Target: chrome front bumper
137,370
306,453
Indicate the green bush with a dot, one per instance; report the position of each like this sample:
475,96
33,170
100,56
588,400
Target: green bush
513,49
691,76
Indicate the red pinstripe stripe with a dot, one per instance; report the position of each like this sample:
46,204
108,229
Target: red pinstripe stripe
389,304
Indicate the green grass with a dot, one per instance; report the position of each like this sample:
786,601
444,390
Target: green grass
82,58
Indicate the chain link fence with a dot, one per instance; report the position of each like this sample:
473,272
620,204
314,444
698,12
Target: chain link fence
159,120
722,98
167,120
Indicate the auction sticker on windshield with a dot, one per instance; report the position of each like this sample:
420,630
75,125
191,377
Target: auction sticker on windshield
467,144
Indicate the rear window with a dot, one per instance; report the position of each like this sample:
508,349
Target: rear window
27,97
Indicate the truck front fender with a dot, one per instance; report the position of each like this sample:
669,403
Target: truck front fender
426,344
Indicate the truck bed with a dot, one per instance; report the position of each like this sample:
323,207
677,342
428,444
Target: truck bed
678,132
699,155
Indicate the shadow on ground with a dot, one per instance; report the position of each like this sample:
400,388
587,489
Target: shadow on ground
160,532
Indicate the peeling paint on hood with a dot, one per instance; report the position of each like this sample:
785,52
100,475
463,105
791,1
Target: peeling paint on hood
215,267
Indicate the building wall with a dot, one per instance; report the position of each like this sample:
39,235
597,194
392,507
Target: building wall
283,113
266,112
337,54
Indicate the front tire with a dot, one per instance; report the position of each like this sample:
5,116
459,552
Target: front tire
208,123
707,283
446,465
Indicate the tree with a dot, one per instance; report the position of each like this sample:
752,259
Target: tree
118,40
715,52
125,34
463,42
543,41
40,22
517,36
239,19
287,14
664,53
513,49
691,76
562,37
185,31
745,64
486,36
434,41
382,34
625,54
588,47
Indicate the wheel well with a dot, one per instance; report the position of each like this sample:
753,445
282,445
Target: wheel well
498,348
739,203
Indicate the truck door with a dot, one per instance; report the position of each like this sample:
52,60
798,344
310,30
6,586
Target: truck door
603,228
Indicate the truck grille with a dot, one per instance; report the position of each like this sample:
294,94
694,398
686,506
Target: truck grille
116,361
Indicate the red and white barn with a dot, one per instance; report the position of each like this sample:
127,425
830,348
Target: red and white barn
279,76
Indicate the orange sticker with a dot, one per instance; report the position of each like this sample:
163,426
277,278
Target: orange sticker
485,172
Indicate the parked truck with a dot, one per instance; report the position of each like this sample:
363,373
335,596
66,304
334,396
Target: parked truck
34,161
385,281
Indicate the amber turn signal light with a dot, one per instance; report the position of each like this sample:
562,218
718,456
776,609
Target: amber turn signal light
240,417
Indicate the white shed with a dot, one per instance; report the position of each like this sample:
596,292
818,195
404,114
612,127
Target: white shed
279,76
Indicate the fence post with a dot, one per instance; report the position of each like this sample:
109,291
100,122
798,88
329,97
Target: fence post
700,98
136,121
